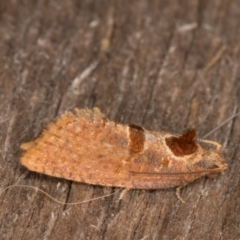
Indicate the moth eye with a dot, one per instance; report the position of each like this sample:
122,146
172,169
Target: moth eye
182,145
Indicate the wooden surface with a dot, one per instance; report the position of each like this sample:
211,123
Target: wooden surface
168,65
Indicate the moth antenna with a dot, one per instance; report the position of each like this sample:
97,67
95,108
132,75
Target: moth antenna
224,122
54,199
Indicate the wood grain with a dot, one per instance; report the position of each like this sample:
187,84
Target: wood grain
158,64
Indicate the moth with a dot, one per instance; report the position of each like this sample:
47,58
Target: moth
84,146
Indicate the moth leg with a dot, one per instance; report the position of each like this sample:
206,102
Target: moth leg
178,193
124,191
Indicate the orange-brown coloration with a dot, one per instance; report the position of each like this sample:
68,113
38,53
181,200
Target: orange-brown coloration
165,162
85,147
183,145
137,139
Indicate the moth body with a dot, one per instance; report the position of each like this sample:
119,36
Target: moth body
86,147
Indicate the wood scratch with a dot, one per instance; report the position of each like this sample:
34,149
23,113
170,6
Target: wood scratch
214,59
8,136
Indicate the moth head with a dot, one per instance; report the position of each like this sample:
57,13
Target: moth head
203,155
212,158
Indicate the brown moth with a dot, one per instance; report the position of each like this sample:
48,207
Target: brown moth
86,147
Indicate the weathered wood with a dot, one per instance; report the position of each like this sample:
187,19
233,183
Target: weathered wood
167,65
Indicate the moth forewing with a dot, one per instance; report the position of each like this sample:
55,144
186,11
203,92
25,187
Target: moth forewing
86,147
